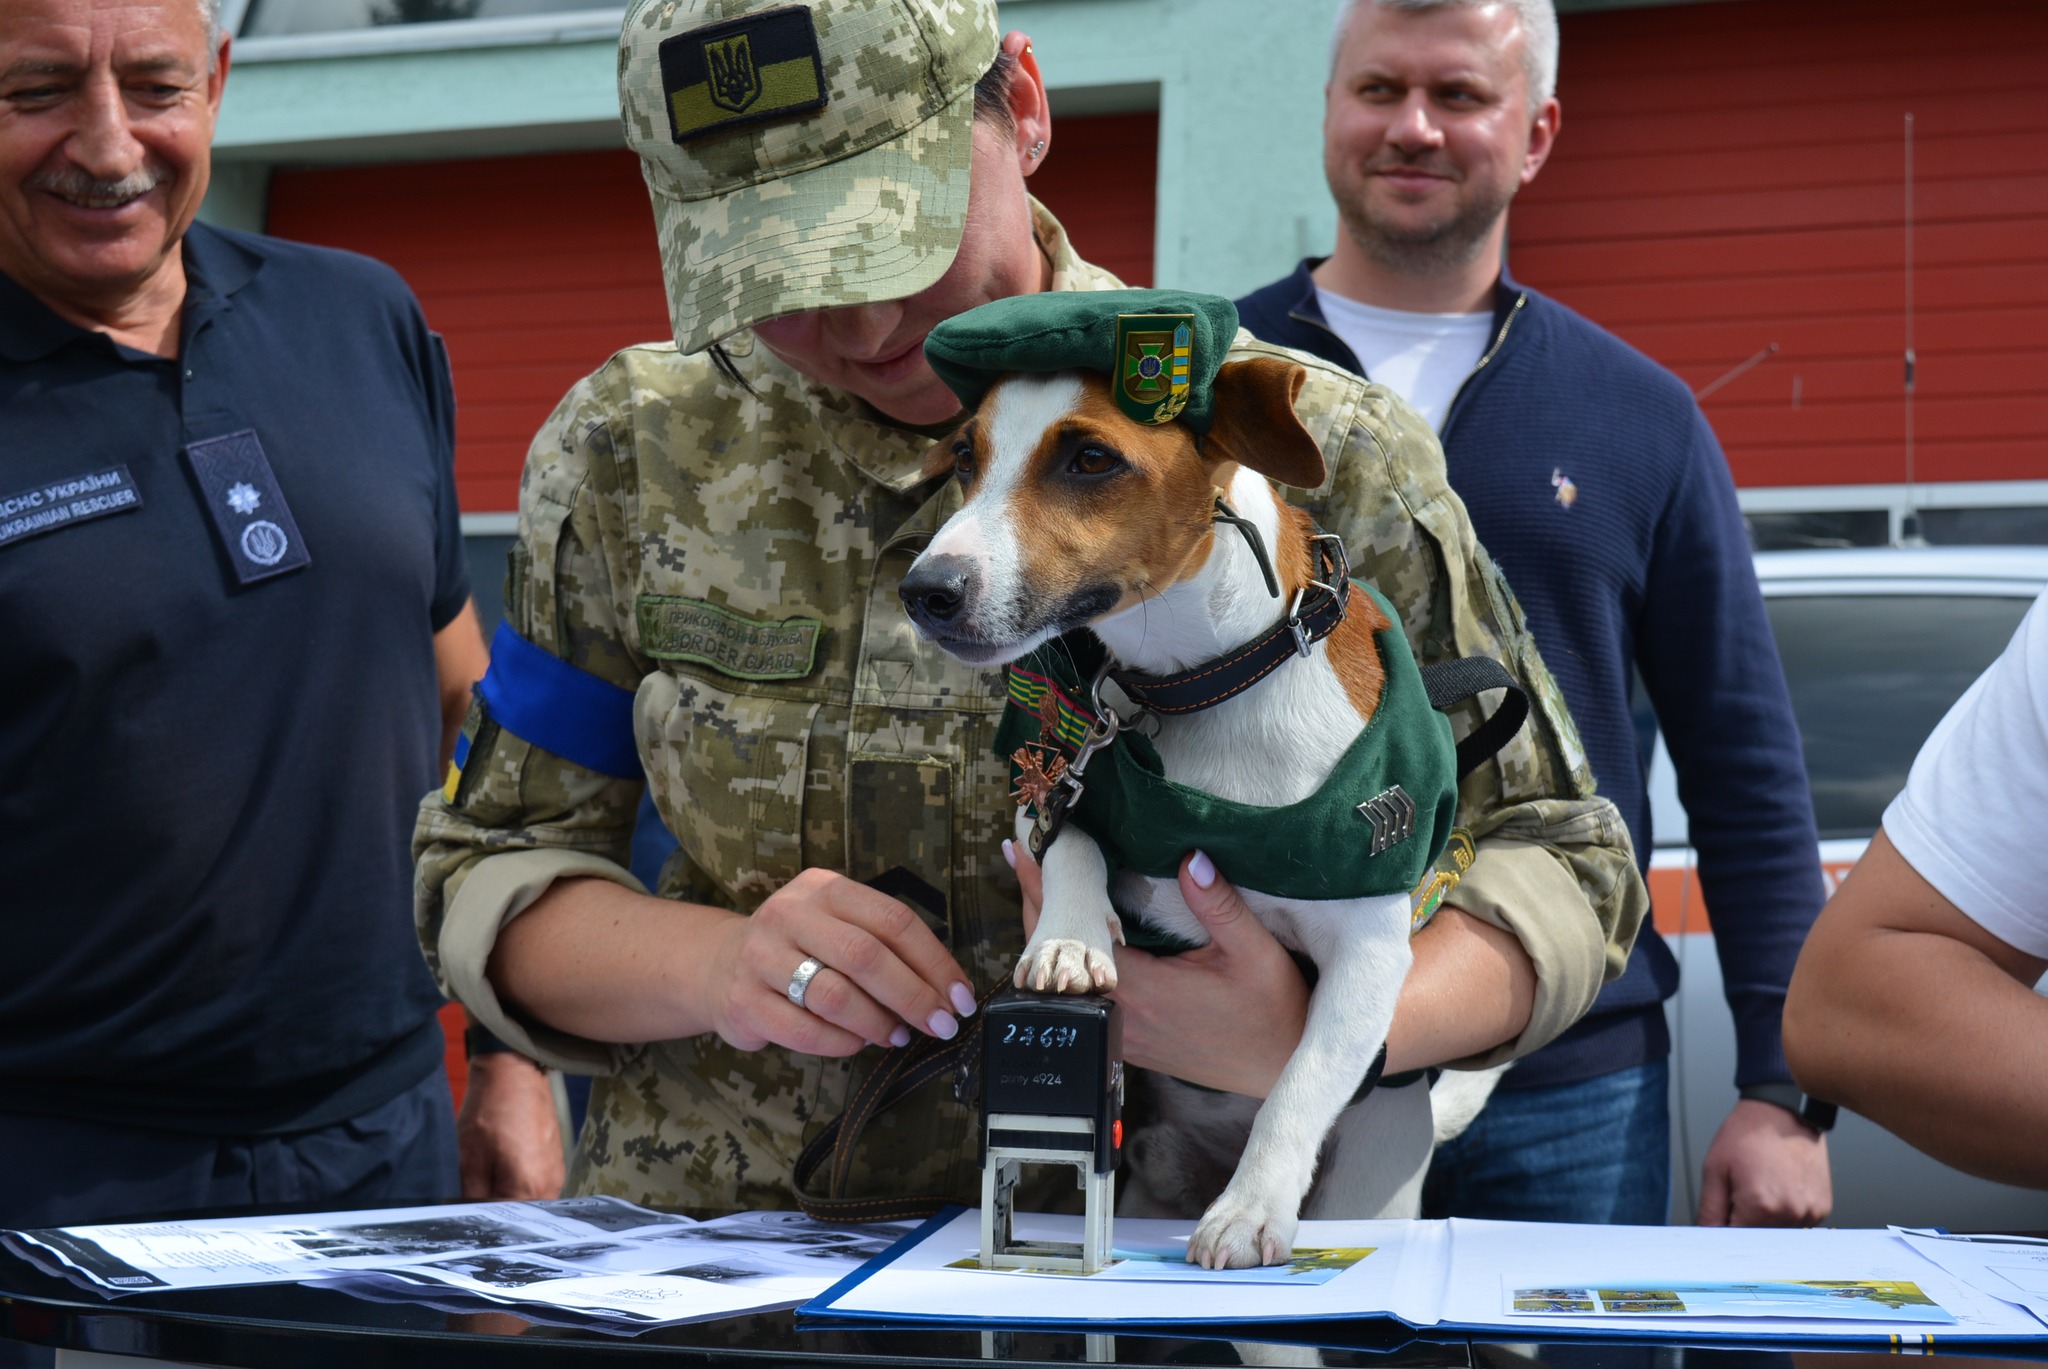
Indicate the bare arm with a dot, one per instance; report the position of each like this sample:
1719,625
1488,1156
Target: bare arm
459,662
1472,986
506,1133
595,959
1907,1011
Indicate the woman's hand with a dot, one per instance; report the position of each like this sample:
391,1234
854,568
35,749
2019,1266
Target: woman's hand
598,960
1226,1015
883,972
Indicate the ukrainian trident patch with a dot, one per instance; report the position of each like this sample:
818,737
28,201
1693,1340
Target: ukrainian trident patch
1154,358
764,65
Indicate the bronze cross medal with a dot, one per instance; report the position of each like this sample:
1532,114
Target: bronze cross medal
1048,781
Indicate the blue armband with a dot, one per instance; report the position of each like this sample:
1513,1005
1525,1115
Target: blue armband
543,700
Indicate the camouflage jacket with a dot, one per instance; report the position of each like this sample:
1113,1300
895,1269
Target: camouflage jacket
733,558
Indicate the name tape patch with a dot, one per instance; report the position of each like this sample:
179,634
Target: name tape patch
249,515
741,71
674,629
63,503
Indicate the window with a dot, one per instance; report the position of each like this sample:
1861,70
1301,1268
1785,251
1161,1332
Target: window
1870,676
281,18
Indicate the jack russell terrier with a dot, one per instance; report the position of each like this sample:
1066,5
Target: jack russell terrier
1234,692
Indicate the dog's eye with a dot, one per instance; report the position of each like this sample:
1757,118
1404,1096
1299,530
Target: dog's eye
963,461
1090,459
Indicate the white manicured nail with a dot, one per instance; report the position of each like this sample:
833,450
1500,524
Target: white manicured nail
1010,852
944,1025
1202,869
963,999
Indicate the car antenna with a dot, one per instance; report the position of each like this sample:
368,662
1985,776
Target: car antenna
1909,523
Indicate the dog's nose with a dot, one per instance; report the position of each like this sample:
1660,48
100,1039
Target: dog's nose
936,590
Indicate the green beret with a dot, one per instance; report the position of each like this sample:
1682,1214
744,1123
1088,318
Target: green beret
1160,349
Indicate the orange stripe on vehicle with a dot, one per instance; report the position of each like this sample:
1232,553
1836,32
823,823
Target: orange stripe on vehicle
1675,900
1680,907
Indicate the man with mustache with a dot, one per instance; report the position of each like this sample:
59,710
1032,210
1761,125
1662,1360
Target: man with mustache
235,631
1594,480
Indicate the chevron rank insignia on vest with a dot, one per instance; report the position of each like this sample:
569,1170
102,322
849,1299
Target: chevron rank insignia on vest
1392,815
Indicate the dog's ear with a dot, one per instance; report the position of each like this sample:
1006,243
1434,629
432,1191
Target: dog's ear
942,458
1256,425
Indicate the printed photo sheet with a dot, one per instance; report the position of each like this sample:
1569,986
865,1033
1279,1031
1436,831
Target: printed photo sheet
1754,1284
592,1257
753,1261
154,1256
1876,1300
938,1277
1506,1277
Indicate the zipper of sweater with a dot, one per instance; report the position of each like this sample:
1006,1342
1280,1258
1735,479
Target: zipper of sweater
1318,323
1451,413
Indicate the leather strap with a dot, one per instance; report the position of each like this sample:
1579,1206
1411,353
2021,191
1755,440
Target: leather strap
900,1073
1451,682
1317,610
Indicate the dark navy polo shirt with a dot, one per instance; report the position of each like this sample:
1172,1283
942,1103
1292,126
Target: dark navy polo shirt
208,778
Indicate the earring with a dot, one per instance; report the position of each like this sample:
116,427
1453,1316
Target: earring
1036,148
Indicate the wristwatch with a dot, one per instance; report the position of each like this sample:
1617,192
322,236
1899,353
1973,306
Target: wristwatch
1812,1111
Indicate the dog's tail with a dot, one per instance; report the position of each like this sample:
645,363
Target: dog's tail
1457,1097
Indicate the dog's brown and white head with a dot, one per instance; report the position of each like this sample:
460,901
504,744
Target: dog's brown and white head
1075,511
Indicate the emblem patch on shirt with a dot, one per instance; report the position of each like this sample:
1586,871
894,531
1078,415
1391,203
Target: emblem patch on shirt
247,507
1154,357
1567,491
741,71
61,503
677,629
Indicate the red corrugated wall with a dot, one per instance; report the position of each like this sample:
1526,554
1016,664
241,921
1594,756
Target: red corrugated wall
538,268
1732,175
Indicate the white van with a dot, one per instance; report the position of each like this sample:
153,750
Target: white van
1877,644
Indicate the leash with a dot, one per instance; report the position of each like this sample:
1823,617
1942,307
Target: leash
900,1073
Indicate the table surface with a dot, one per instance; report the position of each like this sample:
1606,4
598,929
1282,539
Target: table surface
310,1328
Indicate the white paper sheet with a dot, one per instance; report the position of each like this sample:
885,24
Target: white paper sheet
286,1249
755,1261
584,1258
1487,1255
1454,1275
920,1283
2011,1268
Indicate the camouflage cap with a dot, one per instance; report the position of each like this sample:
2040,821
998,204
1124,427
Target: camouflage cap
1161,349
801,156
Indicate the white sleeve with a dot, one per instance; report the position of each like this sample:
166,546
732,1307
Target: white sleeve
1973,818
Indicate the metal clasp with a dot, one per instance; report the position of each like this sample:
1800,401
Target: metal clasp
1068,788
1301,641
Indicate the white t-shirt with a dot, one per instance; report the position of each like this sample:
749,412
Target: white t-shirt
1973,818
1423,358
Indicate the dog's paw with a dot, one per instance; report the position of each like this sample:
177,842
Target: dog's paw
1058,965
1236,1234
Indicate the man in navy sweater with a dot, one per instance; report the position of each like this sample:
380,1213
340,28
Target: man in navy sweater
1594,480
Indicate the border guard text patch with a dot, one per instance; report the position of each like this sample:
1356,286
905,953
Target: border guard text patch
741,71
676,629
60,503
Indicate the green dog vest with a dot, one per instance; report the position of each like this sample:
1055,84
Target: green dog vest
1320,848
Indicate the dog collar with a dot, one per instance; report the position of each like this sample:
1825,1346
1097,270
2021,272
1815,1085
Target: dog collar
1318,607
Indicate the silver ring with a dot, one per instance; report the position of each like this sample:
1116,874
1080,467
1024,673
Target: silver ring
800,982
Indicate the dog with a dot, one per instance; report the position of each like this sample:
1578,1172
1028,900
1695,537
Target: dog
1075,515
